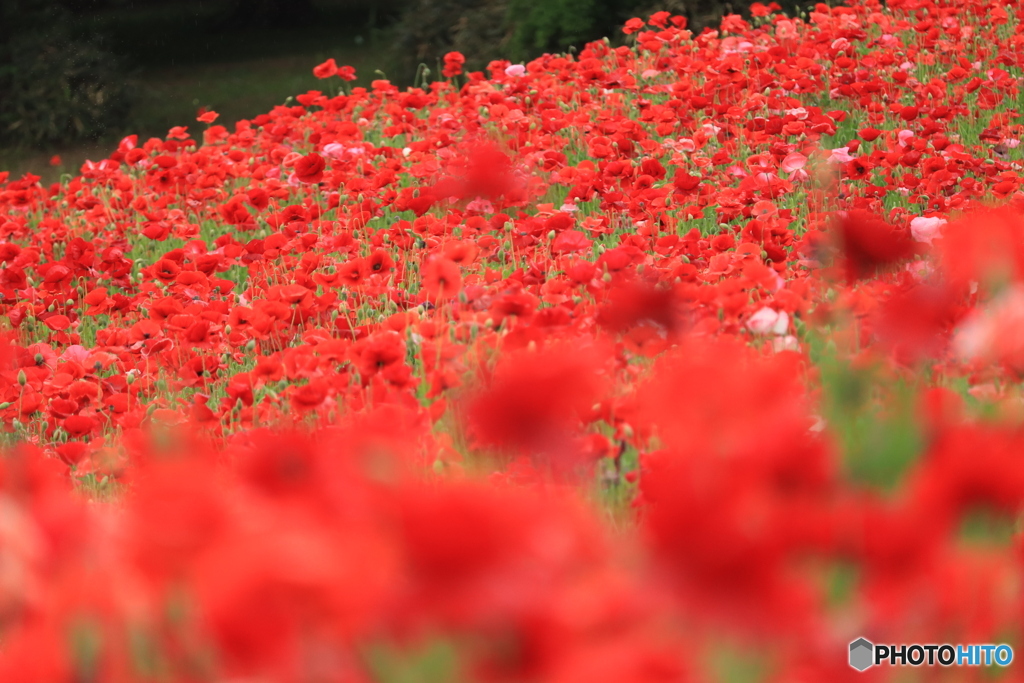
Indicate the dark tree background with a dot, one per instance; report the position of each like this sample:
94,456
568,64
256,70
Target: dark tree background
64,82
67,66
244,13
56,86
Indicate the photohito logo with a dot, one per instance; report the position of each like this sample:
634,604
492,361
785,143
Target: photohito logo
865,654
861,655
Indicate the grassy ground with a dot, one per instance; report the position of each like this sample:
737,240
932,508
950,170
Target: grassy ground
182,62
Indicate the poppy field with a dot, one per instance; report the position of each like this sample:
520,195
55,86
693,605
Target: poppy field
691,359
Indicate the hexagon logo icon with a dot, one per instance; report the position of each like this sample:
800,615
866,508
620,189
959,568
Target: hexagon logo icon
861,654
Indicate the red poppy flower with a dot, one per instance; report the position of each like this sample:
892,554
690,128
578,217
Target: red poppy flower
79,425
166,269
453,62
72,452
310,168
442,279
569,242
915,323
867,243
379,352
535,399
379,261
309,396
352,273
986,247
326,69
58,322
635,304
869,134
145,330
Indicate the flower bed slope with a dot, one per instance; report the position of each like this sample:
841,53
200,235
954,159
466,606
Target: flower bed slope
693,359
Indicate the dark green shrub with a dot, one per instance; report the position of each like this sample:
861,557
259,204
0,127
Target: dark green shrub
57,88
555,25
430,28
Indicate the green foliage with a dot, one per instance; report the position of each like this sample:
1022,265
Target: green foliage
556,24
430,28
57,88
875,423
433,662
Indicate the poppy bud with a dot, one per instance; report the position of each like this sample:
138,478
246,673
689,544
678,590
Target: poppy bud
5,405
22,378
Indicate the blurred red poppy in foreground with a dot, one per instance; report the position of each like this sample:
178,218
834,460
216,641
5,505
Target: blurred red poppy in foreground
867,243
